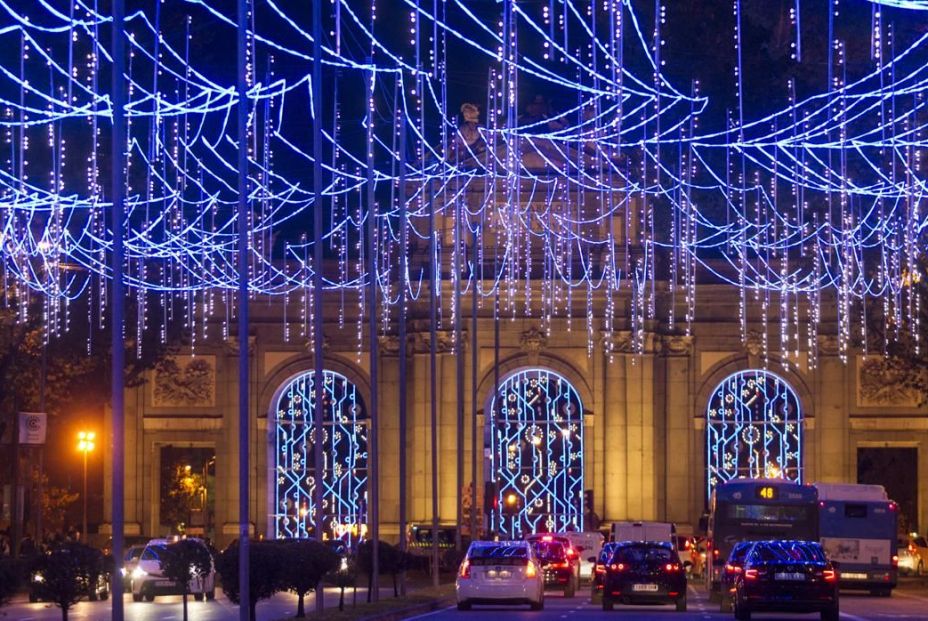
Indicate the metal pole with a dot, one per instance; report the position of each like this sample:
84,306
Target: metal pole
318,335
244,418
84,498
459,372
404,260
473,390
433,384
118,302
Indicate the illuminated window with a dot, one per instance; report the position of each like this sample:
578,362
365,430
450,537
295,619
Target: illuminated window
536,439
753,429
344,456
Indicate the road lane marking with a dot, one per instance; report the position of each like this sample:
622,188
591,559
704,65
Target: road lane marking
429,614
846,615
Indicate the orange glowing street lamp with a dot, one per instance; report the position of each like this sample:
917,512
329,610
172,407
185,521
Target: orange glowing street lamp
86,442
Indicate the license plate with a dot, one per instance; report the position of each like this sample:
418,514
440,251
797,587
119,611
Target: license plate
789,576
854,576
649,588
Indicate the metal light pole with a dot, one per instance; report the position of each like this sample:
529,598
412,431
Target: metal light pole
86,442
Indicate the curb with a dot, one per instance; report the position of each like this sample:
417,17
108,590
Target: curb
403,613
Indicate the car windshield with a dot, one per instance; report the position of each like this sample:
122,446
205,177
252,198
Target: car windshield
495,551
787,552
643,554
550,551
153,552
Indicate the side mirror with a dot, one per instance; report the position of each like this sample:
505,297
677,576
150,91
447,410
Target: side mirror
591,559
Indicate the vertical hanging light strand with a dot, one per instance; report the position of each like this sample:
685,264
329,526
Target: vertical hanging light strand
318,335
117,342
244,441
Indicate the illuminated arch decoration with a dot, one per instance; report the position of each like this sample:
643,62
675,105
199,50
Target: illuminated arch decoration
536,435
345,458
753,429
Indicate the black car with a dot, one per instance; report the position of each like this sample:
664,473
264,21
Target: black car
558,571
599,571
731,571
787,576
644,573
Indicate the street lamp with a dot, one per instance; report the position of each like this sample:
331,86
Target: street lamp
85,444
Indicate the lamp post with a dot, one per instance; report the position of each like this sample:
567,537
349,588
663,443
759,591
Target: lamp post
85,444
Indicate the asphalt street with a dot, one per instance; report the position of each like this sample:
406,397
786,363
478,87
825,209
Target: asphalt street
910,602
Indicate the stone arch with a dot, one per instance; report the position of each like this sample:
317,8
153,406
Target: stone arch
514,363
534,430
279,376
292,445
754,425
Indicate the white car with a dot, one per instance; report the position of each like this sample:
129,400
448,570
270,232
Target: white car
148,581
500,572
588,545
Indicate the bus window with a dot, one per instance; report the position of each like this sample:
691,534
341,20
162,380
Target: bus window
855,511
768,513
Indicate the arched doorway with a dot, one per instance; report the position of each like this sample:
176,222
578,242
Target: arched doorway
344,451
753,429
535,436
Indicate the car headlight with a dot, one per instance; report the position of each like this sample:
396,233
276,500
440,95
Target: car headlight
138,573
123,572
38,578
344,564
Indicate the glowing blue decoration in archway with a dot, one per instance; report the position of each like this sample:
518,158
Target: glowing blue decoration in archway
344,457
536,432
753,429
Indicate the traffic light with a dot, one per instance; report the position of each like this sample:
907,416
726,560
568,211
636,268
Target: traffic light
490,501
512,503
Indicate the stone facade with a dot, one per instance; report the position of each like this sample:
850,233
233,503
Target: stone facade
644,414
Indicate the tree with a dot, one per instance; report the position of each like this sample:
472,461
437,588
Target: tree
344,576
181,493
183,561
69,572
309,561
265,568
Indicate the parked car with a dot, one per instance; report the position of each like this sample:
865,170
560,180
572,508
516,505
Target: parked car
558,573
500,572
787,576
95,586
908,559
147,579
647,572
733,566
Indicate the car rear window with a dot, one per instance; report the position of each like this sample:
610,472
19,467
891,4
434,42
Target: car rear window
550,551
498,551
643,554
739,552
787,551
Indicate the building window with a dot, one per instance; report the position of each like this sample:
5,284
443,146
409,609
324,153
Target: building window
753,429
536,440
344,454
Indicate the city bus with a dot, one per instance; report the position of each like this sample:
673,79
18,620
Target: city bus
755,510
857,526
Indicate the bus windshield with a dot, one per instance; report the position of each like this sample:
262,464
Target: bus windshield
740,522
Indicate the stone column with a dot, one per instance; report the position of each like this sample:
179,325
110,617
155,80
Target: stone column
640,452
678,458
827,452
614,422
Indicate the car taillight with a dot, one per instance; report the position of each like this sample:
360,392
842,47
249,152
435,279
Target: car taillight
600,569
617,567
530,570
571,553
750,574
561,565
895,560
671,567
830,575
733,569
911,548
465,569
